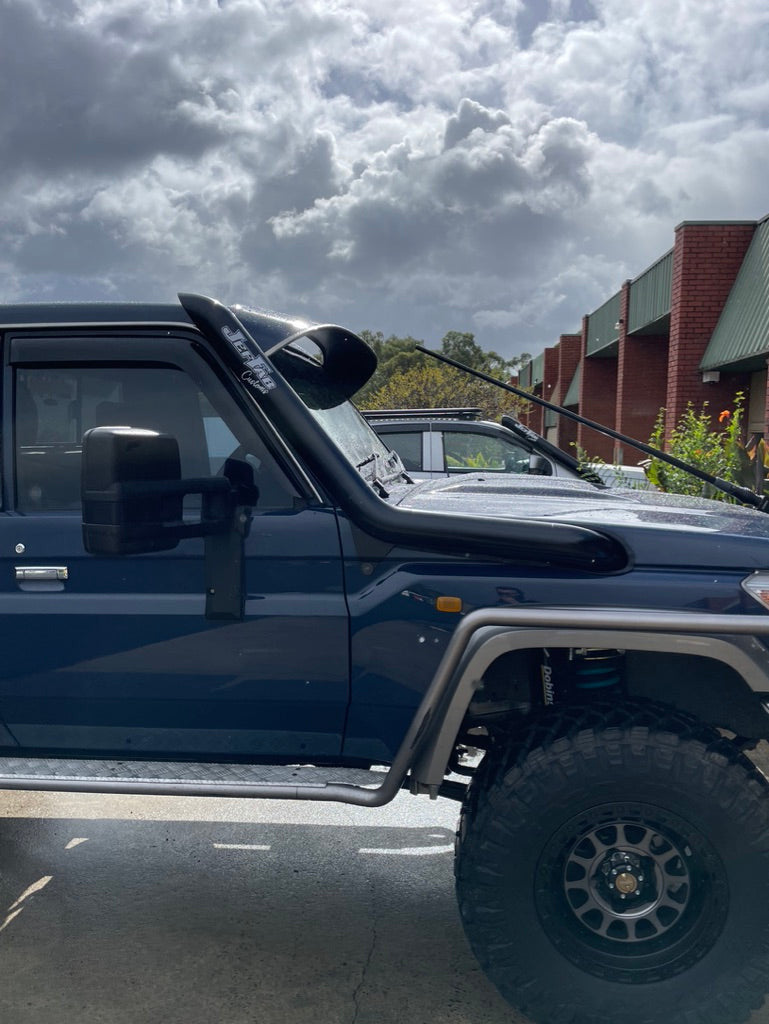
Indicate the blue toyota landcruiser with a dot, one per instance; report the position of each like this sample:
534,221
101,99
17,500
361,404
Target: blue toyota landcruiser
217,579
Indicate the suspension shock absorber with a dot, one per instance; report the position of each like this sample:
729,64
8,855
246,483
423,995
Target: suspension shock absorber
577,673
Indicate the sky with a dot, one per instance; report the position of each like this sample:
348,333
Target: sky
404,166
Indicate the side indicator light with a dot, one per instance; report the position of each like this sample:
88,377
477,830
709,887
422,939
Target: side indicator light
757,586
448,604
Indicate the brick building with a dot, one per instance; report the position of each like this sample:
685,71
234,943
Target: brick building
693,327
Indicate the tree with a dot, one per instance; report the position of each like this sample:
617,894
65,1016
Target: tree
462,347
438,386
394,356
407,379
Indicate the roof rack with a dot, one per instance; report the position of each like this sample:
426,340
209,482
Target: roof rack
423,414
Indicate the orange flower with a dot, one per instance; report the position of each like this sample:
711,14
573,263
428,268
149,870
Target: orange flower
724,416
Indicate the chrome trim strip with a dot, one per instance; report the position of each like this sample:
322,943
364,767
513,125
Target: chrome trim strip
41,572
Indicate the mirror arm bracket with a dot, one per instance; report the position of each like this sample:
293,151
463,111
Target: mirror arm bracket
225,567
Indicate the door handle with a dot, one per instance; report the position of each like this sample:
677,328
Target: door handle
27,573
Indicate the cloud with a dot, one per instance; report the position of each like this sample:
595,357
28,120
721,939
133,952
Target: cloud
498,167
469,117
90,104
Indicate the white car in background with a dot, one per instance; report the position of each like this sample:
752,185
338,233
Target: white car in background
443,442
623,476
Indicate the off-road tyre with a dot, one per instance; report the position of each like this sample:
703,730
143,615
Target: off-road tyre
613,868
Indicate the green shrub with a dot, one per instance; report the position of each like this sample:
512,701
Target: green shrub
693,440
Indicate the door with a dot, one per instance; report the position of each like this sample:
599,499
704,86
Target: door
115,654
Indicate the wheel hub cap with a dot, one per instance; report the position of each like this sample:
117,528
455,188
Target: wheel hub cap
622,874
626,883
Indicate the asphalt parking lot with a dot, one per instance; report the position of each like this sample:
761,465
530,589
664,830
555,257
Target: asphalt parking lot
132,909
186,911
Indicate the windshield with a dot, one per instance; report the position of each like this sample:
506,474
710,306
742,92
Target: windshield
338,417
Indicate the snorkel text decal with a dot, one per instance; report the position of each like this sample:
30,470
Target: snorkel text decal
257,373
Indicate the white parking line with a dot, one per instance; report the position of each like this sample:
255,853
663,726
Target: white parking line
240,846
409,851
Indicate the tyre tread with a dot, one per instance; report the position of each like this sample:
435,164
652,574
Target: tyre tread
526,771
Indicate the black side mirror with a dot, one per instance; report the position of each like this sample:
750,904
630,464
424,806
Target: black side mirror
133,493
133,502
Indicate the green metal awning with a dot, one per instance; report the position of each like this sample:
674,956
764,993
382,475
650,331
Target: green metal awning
603,328
572,395
537,369
650,298
740,340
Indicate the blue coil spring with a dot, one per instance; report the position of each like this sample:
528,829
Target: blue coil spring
595,669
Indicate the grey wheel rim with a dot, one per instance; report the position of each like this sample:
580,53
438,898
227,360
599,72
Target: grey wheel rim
628,881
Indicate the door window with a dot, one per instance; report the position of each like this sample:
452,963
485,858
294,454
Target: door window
55,405
409,446
466,452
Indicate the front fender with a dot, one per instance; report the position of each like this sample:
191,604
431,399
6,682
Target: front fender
483,635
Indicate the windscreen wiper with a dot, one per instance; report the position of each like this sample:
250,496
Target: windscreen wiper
542,445
376,481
